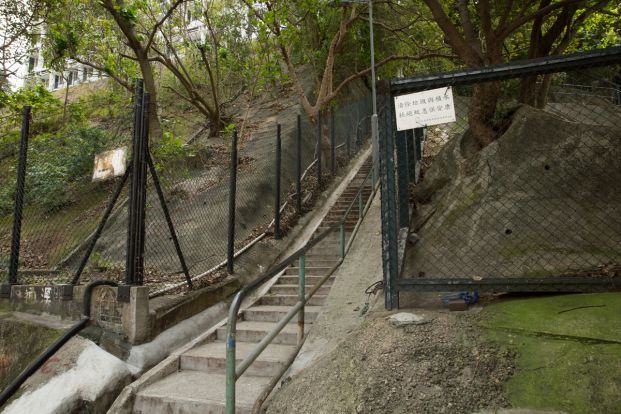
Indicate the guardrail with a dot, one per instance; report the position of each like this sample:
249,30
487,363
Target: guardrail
12,388
233,372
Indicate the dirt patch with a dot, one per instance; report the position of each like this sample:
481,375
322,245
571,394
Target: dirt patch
437,367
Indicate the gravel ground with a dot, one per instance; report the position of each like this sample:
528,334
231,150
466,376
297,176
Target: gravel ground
436,367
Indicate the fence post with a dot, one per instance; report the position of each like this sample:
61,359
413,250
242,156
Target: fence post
411,154
232,195
332,142
301,296
136,198
277,190
348,142
319,150
142,201
388,197
19,204
403,181
298,181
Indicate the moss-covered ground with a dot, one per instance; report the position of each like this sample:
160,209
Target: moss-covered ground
20,343
568,351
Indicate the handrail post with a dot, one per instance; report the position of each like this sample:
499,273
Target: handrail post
231,348
342,238
301,297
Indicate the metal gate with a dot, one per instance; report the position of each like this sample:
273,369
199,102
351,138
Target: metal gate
534,206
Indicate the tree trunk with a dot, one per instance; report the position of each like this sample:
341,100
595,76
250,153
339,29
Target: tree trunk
544,91
215,124
528,90
482,109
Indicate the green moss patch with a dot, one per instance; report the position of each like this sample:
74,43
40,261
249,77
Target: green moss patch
568,351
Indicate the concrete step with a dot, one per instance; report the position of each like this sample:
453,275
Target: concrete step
266,313
290,300
186,392
332,256
211,357
309,270
310,279
293,289
251,331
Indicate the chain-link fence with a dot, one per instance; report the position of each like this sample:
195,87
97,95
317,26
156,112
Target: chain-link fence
196,187
523,191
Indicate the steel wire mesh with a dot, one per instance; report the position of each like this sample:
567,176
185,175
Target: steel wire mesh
542,200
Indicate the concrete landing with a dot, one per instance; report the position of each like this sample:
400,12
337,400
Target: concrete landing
197,392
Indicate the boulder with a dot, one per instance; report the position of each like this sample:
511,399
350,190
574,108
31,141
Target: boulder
544,199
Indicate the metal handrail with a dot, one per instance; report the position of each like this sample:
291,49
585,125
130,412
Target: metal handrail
232,372
12,388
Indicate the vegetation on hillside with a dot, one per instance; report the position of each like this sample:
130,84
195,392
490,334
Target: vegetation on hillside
204,60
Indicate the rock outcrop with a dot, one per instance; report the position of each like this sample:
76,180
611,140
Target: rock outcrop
544,199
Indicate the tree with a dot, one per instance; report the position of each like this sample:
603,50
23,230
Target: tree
551,34
202,47
479,31
20,23
313,34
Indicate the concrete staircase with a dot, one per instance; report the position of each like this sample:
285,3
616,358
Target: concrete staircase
199,384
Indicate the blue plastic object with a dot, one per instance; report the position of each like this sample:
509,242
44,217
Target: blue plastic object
469,297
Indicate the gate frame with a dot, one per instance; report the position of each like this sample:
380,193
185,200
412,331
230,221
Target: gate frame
387,90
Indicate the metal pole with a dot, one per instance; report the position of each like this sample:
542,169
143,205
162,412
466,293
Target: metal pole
348,142
232,196
130,263
231,377
171,226
102,224
388,200
277,190
411,154
374,126
360,207
19,196
332,143
298,181
319,150
403,181
342,239
301,296
142,203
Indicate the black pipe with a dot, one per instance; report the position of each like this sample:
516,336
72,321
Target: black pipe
298,181
102,224
171,226
277,186
232,194
12,388
512,70
19,197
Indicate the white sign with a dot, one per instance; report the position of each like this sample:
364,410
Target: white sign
420,109
110,164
